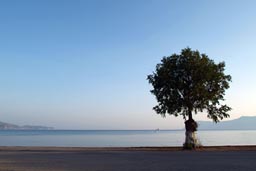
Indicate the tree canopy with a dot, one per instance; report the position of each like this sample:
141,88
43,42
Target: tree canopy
188,83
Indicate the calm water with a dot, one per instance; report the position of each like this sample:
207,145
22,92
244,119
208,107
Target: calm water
72,138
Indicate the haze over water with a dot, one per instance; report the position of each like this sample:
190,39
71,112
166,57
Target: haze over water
121,138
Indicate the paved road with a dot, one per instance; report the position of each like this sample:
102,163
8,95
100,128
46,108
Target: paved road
128,160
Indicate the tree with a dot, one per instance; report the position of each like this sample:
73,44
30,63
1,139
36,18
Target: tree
187,83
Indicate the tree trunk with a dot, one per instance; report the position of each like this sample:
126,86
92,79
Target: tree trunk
191,141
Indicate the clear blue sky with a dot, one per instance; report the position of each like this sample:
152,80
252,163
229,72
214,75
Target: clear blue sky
83,64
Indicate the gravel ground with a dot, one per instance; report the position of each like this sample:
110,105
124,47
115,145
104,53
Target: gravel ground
124,160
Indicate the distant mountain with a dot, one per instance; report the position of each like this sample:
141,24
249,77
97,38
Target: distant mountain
8,126
242,123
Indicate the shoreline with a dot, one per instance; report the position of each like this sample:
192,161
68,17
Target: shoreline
155,148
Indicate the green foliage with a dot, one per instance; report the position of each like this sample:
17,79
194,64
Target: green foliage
190,82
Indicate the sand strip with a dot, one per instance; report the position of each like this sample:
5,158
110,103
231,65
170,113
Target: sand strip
76,149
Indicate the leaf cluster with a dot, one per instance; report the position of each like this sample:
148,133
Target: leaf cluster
190,82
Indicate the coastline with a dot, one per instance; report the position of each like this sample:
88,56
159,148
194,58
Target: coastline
160,148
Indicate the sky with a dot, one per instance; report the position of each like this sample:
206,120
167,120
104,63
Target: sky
74,64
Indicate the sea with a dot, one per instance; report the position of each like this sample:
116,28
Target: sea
122,138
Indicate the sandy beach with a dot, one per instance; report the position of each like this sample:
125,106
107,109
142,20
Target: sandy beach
136,158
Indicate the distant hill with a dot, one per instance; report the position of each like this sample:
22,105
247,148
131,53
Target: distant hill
8,126
242,123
